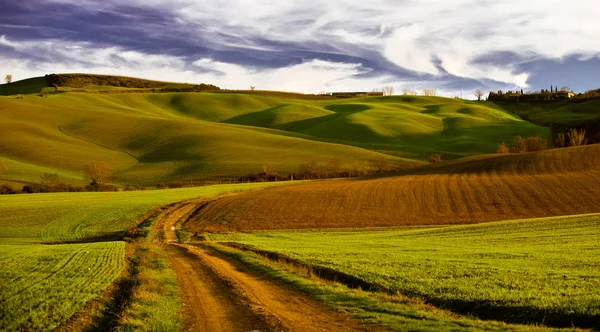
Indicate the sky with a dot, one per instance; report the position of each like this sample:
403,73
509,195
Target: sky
309,46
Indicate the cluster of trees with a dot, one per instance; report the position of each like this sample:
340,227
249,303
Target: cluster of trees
522,145
573,137
543,95
333,168
97,172
426,92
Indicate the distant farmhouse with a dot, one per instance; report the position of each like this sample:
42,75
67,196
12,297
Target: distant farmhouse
355,94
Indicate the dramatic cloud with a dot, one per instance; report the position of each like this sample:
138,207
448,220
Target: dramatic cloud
309,46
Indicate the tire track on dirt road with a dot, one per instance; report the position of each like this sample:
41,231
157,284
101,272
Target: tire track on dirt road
220,293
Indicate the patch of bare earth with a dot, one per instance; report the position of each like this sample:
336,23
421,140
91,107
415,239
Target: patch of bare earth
219,293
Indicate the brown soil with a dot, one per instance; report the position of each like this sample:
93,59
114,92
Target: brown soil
219,293
470,190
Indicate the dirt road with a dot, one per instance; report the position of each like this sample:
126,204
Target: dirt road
222,294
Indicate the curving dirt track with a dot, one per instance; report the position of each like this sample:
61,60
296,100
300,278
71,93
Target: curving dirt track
470,190
221,294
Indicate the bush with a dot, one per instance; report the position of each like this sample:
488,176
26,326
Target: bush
503,148
101,187
536,144
435,158
519,145
6,190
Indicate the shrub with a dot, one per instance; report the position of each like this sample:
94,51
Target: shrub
560,141
519,145
435,158
503,148
536,144
576,137
6,190
98,172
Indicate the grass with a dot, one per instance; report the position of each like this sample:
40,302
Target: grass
154,303
561,112
78,216
469,190
42,286
541,271
167,137
393,312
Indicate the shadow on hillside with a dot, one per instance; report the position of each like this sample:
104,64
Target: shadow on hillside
104,237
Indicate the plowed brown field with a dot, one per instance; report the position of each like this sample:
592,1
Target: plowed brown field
469,190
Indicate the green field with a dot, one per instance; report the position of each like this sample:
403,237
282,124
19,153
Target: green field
539,271
42,285
76,216
151,138
562,112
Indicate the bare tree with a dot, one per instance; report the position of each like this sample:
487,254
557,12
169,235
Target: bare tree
479,94
388,90
252,88
566,89
430,92
576,137
98,172
335,166
8,79
409,92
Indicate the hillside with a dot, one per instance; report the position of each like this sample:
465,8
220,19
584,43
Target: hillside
151,137
489,188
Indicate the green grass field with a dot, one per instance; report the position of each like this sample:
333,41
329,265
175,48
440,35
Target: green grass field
165,137
542,271
42,285
75,216
562,112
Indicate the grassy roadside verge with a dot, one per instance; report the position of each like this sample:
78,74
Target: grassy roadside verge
393,312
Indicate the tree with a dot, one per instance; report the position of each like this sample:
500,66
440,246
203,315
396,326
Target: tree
98,172
536,144
361,168
566,89
479,94
560,141
335,166
8,79
519,145
252,88
268,170
388,90
503,148
409,92
430,92
576,137
380,164
435,158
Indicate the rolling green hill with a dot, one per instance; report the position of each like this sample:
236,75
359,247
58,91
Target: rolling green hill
163,137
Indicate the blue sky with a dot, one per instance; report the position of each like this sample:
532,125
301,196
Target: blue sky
311,45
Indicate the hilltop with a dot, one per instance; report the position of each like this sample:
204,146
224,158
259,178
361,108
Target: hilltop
151,136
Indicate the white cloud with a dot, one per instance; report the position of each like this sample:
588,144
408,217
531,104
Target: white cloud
428,37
